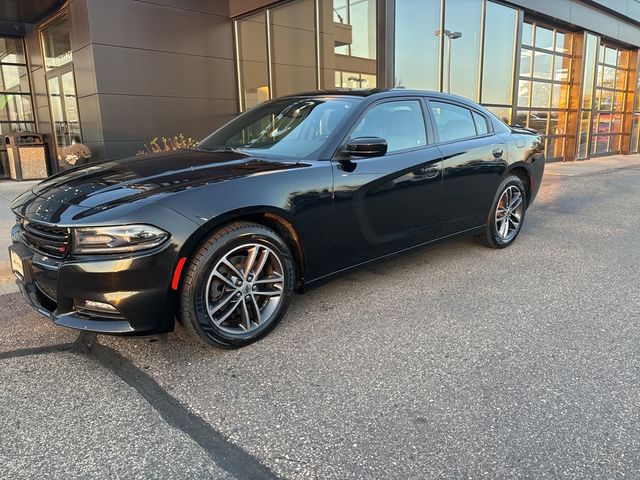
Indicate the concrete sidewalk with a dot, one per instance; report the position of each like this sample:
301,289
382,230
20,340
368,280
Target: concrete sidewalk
594,166
9,190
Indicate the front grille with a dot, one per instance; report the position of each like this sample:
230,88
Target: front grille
46,239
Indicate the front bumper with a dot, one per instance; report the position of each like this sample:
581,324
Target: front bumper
137,286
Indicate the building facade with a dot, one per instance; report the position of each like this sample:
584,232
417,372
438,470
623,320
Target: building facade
115,74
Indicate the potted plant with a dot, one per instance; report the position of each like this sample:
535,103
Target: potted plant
76,154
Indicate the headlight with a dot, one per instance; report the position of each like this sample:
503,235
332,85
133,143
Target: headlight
120,239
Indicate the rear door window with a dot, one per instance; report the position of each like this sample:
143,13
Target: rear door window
453,122
481,124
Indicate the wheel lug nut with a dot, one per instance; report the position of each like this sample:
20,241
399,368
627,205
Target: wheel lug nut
238,294
247,297
255,287
239,283
249,278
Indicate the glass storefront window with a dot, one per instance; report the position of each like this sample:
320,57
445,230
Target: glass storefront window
12,50
583,135
540,95
561,67
14,78
527,34
440,50
610,100
56,42
462,31
63,100
294,49
544,38
524,93
542,65
635,132
16,106
544,87
417,22
563,43
305,45
634,145
503,113
340,12
253,63
354,80
499,49
362,18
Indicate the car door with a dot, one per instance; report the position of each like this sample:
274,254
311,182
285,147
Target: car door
473,160
386,203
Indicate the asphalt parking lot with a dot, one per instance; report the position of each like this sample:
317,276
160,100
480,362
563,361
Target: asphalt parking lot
449,362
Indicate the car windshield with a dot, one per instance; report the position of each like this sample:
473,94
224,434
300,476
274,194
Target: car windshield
292,127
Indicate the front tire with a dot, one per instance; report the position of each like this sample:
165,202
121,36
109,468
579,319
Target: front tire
507,214
237,286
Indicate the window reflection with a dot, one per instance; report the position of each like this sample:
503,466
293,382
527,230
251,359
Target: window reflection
349,43
294,56
610,100
635,122
56,41
417,22
253,60
544,38
542,65
461,41
441,50
63,101
544,85
503,113
16,109
305,45
499,49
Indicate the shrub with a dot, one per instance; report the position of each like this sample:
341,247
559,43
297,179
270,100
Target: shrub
178,142
74,154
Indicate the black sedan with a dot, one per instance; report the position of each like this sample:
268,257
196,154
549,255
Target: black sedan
287,195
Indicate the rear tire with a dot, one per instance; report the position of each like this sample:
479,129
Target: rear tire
237,286
507,214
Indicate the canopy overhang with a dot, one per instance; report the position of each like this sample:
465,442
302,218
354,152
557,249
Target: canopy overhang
18,17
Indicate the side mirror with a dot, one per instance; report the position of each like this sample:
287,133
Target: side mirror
366,147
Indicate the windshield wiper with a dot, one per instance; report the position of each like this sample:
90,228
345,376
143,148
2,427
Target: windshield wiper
224,149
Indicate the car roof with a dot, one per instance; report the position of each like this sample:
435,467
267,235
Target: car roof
383,93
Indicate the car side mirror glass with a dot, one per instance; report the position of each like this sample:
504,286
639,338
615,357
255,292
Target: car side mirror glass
366,147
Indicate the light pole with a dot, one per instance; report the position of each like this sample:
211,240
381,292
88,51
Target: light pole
450,37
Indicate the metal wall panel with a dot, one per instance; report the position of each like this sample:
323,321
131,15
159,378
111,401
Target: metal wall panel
151,69
164,74
141,118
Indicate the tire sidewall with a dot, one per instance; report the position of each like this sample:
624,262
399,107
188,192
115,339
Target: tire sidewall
509,181
219,248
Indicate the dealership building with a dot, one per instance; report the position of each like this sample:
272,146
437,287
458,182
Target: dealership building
113,74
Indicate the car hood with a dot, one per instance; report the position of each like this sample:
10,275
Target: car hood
153,176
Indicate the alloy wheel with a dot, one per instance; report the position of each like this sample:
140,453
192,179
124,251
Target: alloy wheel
509,213
244,288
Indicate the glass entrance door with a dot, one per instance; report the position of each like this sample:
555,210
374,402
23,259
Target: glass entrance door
63,101
64,109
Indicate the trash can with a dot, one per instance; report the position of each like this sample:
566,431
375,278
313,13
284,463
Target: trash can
27,156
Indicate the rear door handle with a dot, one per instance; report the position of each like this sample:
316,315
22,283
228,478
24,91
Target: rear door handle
497,152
